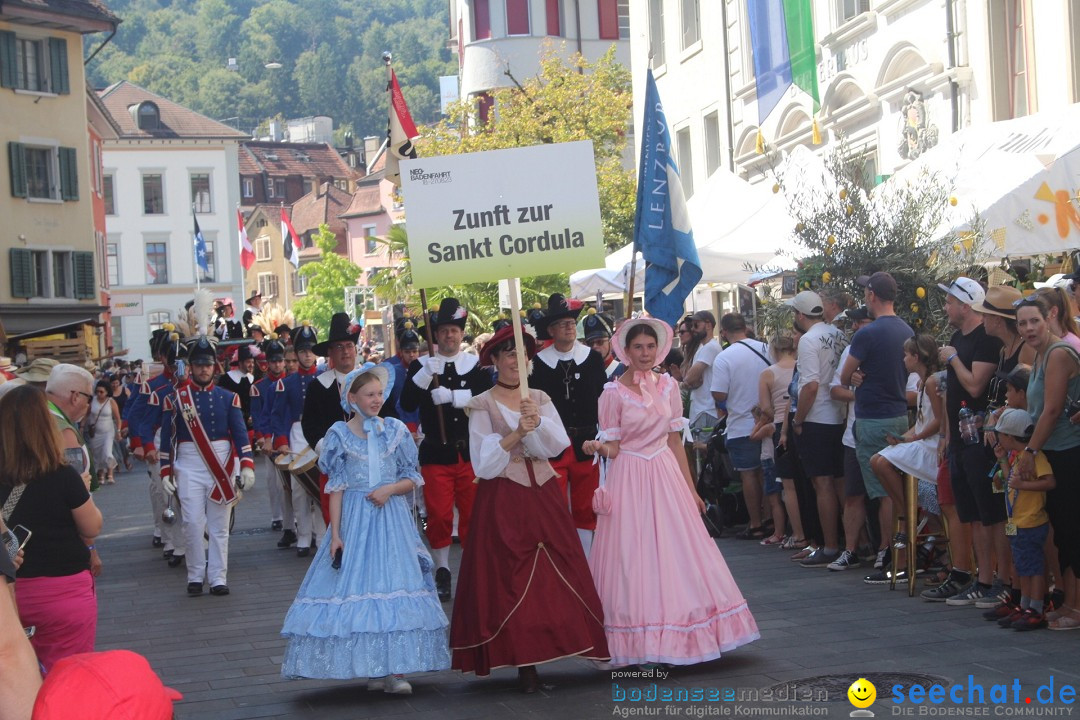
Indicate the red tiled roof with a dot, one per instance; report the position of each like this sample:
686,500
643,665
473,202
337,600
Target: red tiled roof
367,200
322,205
317,160
176,121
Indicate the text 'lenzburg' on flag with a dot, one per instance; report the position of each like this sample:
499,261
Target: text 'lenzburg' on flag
201,258
290,240
247,253
400,132
662,231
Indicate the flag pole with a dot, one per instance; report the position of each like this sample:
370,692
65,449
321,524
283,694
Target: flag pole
630,284
195,253
284,266
431,354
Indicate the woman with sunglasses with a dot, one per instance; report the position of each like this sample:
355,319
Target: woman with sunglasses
1055,378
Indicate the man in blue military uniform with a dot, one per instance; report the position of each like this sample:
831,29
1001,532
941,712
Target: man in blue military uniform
598,329
202,432
408,350
139,417
147,430
263,397
291,393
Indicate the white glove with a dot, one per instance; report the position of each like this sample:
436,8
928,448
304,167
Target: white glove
441,395
247,480
435,364
169,484
461,397
422,378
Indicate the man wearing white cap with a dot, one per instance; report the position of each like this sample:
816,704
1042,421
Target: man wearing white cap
970,359
819,420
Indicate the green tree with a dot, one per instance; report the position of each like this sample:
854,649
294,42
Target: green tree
848,228
327,279
570,99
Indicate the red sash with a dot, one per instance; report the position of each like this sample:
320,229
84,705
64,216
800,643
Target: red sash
223,492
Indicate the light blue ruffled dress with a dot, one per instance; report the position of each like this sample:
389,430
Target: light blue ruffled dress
379,614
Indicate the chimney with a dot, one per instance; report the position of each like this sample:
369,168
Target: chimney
372,143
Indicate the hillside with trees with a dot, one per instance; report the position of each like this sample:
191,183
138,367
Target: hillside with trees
329,51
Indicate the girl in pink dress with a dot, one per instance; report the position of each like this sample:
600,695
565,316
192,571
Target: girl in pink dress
667,593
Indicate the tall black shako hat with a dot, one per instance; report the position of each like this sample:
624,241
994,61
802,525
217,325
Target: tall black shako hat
597,325
500,324
202,350
304,337
273,349
341,329
532,315
450,312
170,348
405,332
157,339
559,307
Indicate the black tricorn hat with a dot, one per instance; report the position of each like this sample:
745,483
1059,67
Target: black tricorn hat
341,329
304,337
597,325
244,353
559,307
450,312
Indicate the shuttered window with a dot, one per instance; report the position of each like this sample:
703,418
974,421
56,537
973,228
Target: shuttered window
22,273
47,173
17,169
7,59
84,275
58,66
69,175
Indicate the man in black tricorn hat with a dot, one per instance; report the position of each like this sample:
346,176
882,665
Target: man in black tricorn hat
322,407
439,387
573,376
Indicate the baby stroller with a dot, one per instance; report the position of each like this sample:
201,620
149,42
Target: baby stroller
723,504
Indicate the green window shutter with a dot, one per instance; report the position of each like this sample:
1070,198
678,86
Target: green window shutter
22,273
69,174
58,66
7,59
84,275
17,166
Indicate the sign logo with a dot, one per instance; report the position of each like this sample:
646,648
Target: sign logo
429,178
862,695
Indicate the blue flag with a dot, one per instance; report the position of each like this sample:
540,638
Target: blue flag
662,230
200,247
772,57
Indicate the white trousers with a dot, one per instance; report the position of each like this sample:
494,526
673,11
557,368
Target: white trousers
201,514
171,535
274,489
308,514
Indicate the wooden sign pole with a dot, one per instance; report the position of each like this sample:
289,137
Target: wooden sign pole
519,339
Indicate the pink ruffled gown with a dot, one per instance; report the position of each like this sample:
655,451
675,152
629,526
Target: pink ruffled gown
667,593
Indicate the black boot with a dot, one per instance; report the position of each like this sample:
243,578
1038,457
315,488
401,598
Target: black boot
287,540
442,583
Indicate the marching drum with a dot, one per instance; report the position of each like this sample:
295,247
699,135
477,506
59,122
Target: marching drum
305,468
282,462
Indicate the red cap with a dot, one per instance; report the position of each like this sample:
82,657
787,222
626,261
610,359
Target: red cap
118,684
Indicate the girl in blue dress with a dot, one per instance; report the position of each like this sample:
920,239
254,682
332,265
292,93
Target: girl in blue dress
378,616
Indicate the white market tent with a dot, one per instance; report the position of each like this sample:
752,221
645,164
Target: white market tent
1021,176
737,227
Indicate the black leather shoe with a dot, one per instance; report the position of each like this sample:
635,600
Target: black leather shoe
287,540
158,542
276,525
194,588
175,560
219,590
167,554
303,552
442,583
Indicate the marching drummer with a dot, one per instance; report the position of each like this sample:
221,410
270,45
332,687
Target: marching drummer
291,393
206,426
262,421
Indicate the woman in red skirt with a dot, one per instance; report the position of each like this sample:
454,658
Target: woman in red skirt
525,595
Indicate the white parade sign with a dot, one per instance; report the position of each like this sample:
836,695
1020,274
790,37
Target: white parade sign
486,216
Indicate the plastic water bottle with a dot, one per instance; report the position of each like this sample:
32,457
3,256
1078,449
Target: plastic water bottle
969,427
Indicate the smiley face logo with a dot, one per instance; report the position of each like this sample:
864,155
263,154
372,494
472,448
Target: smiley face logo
862,693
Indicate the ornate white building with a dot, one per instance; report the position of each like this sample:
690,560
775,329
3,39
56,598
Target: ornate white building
894,76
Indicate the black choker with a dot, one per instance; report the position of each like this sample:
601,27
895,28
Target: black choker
501,384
